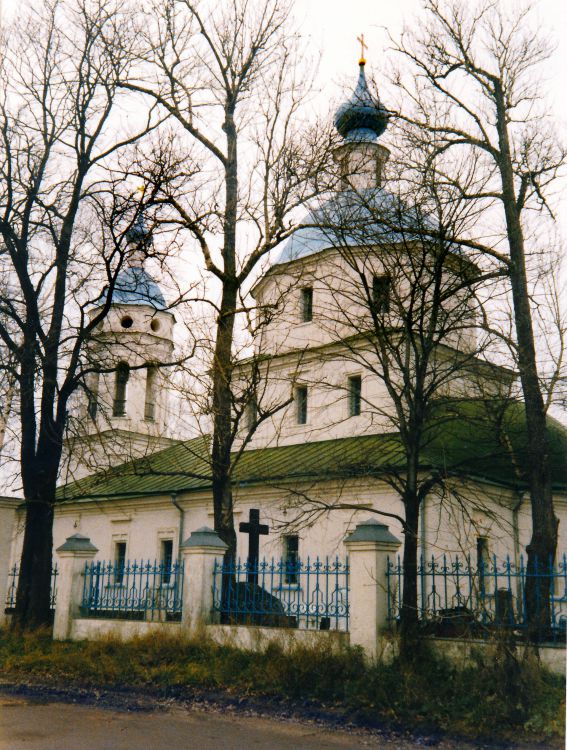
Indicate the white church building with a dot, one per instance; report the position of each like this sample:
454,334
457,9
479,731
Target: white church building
327,456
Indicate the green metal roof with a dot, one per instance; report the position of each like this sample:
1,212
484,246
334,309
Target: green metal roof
463,438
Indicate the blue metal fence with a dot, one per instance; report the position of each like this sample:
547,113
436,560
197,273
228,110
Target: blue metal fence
310,594
457,593
12,589
135,590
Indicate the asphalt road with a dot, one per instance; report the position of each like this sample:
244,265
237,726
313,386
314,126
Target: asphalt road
34,722
25,723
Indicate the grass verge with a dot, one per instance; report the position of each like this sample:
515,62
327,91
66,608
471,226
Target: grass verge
497,698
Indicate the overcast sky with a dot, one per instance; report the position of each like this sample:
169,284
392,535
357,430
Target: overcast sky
334,25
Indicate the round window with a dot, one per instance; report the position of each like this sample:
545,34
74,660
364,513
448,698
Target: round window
154,325
126,322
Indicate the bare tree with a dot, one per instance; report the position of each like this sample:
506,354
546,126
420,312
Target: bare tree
400,301
59,134
228,75
475,89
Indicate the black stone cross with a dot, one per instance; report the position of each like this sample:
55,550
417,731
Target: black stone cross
254,529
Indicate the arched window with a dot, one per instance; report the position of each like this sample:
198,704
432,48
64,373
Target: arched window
92,395
150,405
122,375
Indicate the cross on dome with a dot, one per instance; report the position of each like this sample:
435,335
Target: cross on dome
363,46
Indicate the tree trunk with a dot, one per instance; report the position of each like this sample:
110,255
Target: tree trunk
222,428
40,461
409,618
33,597
542,546
222,364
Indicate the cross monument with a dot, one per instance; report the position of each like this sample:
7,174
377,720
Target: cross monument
254,529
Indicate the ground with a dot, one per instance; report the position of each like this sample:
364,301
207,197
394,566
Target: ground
42,718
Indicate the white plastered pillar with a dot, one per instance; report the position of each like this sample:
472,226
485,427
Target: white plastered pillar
73,554
368,547
200,552
8,514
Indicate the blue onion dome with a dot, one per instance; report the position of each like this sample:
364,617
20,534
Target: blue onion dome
138,233
134,286
361,118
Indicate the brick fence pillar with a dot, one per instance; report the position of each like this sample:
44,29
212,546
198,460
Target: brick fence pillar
73,555
200,552
368,547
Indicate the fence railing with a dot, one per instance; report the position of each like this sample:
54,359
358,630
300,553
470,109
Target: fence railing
13,577
310,594
457,594
135,590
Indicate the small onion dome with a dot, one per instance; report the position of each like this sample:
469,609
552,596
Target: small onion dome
361,118
138,233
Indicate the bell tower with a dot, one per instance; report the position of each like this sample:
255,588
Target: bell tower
125,411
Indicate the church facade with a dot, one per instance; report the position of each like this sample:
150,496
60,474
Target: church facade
320,431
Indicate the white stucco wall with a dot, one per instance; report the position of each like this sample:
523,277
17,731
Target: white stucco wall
448,527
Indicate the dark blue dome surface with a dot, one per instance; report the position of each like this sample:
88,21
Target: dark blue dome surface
351,218
136,287
361,118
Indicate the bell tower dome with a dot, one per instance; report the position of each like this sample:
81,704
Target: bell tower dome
361,120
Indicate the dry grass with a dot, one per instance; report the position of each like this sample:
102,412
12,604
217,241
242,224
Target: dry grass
496,698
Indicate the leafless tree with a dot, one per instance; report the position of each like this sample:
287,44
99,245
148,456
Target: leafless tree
228,75
474,87
60,132
399,305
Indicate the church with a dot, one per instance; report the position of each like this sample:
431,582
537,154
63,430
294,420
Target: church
319,446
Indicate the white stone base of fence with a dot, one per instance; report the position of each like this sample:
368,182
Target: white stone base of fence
256,638
461,651
85,629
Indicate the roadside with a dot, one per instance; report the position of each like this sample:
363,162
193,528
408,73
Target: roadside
501,702
42,716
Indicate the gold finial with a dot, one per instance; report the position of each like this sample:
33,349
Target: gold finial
363,46
141,189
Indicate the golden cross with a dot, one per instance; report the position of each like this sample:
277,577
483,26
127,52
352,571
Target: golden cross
141,189
363,46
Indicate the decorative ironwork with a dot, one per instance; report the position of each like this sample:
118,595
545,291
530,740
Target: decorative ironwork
143,590
456,595
12,589
260,594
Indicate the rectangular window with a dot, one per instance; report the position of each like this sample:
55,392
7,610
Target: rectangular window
150,404
120,385
166,560
119,562
291,558
92,406
482,553
381,294
483,564
307,304
354,395
251,413
301,404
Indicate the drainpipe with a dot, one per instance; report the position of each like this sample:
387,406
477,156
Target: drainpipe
423,542
181,526
423,536
516,533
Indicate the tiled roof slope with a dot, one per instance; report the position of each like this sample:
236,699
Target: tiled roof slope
462,440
